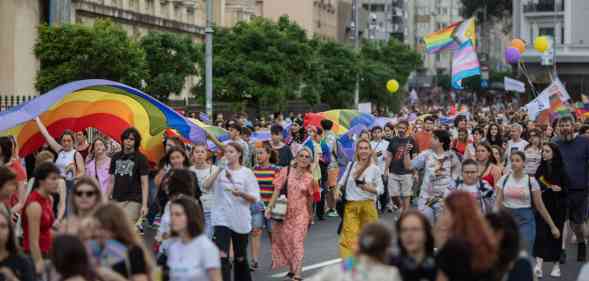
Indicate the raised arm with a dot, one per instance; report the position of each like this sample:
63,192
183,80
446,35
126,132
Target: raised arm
50,140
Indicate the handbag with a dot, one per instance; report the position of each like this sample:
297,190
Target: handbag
340,205
281,205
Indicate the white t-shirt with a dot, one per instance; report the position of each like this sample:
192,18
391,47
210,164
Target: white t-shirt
380,150
513,146
229,210
533,160
207,197
191,261
516,193
439,172
371,176
64,159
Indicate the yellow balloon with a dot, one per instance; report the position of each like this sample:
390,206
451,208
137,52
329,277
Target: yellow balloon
541,44
393,86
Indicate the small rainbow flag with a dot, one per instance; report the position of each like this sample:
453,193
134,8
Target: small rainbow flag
442,39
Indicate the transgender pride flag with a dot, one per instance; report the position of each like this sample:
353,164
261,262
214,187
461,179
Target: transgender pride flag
465,63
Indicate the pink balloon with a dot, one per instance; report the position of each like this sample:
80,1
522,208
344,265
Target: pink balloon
512,55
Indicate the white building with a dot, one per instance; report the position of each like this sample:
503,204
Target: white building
386,19
565,21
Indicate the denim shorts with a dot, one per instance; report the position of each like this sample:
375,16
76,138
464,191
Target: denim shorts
258,219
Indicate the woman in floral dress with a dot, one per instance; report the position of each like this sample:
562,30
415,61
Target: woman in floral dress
288,236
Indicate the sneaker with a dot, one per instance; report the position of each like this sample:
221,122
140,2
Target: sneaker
555,271
581,252
563,257
538,271
332,213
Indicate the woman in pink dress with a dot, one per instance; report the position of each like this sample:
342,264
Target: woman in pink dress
288,247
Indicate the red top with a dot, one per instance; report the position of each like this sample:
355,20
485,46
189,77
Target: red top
21,176
489,179
47,219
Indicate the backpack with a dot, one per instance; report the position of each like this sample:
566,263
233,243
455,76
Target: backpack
487,196
529,188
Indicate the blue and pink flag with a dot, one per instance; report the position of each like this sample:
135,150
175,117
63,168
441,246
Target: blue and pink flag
465,63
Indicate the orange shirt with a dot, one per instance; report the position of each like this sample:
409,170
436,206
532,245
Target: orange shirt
423,140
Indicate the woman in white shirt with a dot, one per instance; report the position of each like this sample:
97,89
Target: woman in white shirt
361,185
519,194
236,188
191,256
203,170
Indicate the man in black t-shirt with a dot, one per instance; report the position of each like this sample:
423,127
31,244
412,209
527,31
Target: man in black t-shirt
129,176
400,181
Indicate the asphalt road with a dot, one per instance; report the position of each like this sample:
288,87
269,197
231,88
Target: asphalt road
321,250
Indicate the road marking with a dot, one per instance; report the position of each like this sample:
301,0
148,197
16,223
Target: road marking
311,267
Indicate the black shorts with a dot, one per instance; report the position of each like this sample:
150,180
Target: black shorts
577,206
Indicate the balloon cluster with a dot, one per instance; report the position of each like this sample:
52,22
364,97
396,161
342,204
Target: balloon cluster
514,52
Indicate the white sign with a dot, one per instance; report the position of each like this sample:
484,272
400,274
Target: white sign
542,101
365,107
514,85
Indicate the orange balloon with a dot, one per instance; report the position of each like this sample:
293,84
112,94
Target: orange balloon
519,44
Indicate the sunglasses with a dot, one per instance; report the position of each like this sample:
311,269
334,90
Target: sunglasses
85,193
305,156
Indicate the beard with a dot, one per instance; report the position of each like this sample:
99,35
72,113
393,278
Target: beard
568,137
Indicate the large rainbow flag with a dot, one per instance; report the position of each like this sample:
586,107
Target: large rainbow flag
108,106
440,40
343,119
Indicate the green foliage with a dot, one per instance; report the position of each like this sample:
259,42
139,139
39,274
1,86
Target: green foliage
75,52
381,62
171,58
260,61
333,78
496,9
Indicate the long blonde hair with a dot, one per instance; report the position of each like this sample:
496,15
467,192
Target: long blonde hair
365,166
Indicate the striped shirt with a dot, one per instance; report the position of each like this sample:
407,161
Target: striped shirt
265,176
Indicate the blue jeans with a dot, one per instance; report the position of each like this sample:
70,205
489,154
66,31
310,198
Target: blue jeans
526,222
209,229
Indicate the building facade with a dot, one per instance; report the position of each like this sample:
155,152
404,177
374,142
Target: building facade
425,17
19,20
317,17
565,22
386,19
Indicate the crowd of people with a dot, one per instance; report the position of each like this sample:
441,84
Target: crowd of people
487,195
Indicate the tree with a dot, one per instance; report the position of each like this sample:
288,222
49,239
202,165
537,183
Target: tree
171,58
260,61
333,76
495,9
381,62
74,52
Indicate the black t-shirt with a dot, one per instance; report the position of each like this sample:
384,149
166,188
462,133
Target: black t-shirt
411,270
20,266
135,264
396,148
284,156
127,170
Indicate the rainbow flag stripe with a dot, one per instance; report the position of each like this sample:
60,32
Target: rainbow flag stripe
108,106
441,40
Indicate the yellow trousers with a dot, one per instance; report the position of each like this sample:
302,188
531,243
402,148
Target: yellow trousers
357,214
